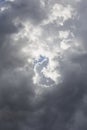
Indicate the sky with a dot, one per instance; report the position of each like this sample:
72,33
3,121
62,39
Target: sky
43,64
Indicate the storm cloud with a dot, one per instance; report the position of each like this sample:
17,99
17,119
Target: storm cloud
50,94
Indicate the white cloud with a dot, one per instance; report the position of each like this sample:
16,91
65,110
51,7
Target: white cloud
36,40
63,34
35,46
10,0
59,14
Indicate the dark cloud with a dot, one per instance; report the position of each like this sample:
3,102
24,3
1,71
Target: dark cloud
29,9
62,107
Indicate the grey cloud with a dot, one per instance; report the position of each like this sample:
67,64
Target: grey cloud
63,107
29,9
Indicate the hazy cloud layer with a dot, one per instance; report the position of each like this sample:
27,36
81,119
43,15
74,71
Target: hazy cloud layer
50,92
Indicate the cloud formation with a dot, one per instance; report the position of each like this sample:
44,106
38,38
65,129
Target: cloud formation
43,59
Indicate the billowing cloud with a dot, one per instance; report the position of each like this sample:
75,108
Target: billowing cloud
43,59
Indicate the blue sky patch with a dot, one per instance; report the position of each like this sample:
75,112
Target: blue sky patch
40,59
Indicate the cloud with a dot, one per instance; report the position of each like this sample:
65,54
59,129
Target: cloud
57,31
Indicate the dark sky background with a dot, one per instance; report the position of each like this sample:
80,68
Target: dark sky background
28,106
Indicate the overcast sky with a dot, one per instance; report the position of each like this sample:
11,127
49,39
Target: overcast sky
43,64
